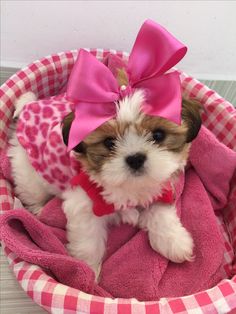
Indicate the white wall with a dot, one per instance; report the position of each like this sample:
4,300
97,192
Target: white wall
33,29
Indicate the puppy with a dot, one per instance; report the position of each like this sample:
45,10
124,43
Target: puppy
131,158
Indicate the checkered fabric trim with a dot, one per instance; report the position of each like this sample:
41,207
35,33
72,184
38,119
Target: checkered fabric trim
48,77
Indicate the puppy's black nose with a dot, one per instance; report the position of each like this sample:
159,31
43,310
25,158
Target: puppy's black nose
136,161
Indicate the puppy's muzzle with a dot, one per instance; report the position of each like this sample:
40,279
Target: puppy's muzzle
136,161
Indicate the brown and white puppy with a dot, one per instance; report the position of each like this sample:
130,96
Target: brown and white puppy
131,156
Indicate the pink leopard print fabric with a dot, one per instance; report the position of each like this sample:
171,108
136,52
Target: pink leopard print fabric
39,132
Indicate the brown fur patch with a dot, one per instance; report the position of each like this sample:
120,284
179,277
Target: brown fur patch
96,152
175,134
122,77
191,110
66,124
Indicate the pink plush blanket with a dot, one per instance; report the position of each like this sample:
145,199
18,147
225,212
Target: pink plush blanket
131,268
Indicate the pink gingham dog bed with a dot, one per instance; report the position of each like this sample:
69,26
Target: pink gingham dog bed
48,77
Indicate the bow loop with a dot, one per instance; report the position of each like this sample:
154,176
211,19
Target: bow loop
164,96
155,51
91,81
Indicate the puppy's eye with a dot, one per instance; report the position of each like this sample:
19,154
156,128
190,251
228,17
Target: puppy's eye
109,142
158,135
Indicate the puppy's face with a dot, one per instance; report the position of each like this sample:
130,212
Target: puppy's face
136,148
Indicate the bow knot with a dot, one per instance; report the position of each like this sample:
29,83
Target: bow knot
125,90
95,89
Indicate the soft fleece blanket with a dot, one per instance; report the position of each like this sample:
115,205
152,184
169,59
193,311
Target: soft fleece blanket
131,268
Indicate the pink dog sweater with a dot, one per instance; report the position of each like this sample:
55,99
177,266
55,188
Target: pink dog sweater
39,132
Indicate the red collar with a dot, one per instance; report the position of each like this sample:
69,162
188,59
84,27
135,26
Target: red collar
100,207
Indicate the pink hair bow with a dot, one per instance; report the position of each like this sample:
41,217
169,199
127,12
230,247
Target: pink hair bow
94,89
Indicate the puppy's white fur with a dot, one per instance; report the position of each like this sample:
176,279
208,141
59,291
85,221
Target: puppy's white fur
86,232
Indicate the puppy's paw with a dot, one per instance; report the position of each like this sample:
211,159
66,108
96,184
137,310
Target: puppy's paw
97,271
176,246
130,216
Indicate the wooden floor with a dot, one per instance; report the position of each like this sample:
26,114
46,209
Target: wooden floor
13,299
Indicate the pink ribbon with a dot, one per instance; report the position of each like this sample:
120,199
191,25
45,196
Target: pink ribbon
94,89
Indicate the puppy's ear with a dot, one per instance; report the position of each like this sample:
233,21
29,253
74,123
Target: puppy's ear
191,110
66,125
